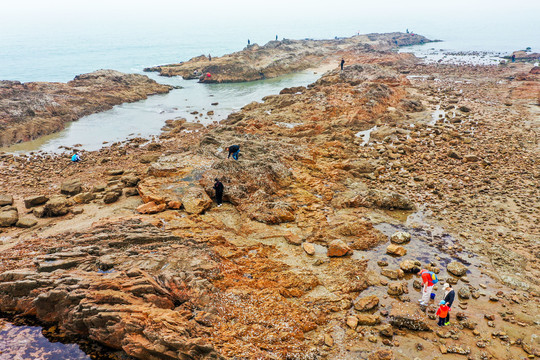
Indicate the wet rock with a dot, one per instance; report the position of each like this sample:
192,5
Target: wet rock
151,208
26,222
368,319
6,199
395,289
409,316
8,217
338,248
366,303
35,201
410,266
396,250
309,248
84,197
400,237
464,293
456,268
393,274
71,187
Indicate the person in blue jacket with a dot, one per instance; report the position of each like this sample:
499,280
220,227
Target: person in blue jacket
449,296
75,157
233,150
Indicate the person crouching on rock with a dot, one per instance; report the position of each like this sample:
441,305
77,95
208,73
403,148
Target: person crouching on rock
442,312
234,150
75,157
449,296
427,286
218,187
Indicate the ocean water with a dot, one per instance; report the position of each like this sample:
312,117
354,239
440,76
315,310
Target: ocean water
57,49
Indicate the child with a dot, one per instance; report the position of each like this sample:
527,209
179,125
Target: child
442,312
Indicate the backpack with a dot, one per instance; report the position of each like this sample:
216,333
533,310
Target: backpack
434,278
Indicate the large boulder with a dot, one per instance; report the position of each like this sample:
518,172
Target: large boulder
407,315
396,250
35,200
456,268
400,237
6,199
8,217
71,187
56,206
396,288
84,197
338,248
195,200
410,266
26,222
366,303
368,319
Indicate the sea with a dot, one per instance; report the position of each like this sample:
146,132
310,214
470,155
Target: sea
47,50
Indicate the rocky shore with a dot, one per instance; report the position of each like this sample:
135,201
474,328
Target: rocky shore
30,110
343,190
283,57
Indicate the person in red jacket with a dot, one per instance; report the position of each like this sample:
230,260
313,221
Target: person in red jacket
442,312
427,286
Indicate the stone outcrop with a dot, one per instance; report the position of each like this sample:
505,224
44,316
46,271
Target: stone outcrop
43,108
409,316
280,57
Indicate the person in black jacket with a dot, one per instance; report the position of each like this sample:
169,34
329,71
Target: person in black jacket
218,187
233,150
449,296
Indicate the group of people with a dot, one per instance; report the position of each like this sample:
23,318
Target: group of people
428,282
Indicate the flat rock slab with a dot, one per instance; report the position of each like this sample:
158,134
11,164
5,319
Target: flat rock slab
6,199
407,315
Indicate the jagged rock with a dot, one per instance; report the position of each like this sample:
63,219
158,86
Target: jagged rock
35,201
195,200
400,237
130,180
396,250
368,319
407,315
71,187
456,268
8,217
366,303
338,248
151,208
111,196
84,197
381,355
393,274
26,222
309,248
56,206
6,199
352,322
464,293
395,289
386,331
410,266
455,349
131,191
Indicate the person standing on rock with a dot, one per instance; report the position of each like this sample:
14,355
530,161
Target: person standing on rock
218,187
209,57
249,42
342,63
427,286
276,38
449,296
233,150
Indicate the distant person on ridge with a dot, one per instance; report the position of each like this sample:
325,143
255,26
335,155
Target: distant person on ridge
218,187
513,58
75,157
233,150
209,57
249,42
342,63
276,38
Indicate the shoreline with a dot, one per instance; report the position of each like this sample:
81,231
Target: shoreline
301,255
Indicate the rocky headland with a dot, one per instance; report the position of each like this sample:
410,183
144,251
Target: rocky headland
343,190
33,109
283,57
